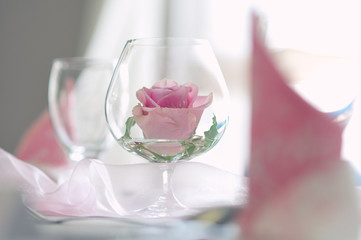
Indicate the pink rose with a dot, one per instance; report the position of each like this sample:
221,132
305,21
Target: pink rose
169,110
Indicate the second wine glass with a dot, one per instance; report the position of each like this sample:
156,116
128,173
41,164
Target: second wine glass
177,100
77,88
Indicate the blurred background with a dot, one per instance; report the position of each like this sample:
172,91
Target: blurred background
33,33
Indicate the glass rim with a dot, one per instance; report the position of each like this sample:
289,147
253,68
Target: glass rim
83,60
172,41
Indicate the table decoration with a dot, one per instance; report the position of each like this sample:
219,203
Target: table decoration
299,186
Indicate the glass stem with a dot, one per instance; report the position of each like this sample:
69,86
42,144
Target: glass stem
167,172
166,205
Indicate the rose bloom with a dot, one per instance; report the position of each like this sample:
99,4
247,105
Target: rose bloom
169,110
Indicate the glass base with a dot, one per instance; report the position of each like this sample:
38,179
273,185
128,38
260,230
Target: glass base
164,208
167,206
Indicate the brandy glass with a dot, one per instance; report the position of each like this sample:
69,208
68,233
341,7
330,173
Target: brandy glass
177,103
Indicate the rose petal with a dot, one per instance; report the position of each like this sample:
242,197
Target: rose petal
144,98
159,93
167,123
141,96
165,83
192,92
202,101
175,99
138,111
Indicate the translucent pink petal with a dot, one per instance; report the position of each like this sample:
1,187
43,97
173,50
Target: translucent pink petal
158,93
202,101
175,99
143,96
167,123
166,83
192,92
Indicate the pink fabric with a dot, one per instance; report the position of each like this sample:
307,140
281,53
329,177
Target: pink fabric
294,149
92,188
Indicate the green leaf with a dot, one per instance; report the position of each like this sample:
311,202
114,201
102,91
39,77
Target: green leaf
128,125
211,134
190,147
193,146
